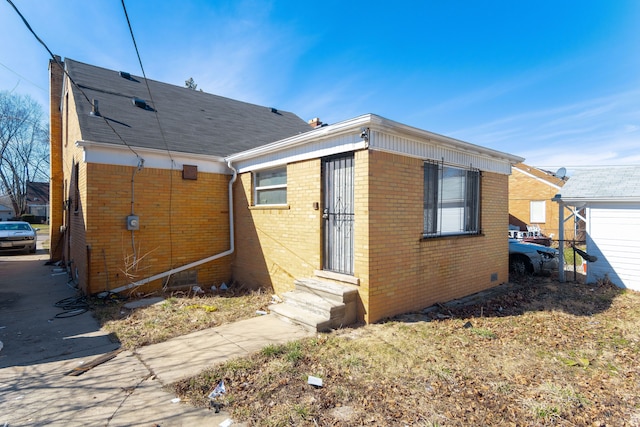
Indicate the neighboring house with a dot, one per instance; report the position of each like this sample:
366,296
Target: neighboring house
6,213
530,192
196,188
610,200
38,200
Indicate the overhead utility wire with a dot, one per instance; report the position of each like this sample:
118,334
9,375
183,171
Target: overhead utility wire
164,139
26,23
22,77
135,45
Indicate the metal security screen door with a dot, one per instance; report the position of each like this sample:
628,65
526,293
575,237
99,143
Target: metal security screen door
338,214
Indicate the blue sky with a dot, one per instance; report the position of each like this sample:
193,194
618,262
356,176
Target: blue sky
556,82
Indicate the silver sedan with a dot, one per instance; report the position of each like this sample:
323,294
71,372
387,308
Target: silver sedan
528,258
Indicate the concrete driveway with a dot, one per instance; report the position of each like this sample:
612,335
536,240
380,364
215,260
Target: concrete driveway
39,350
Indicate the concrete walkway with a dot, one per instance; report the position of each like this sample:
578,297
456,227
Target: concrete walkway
128,390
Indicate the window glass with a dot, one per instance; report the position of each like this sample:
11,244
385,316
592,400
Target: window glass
271,177
270,187
451,200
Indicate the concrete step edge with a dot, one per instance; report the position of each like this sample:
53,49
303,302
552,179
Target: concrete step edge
310,321
330,290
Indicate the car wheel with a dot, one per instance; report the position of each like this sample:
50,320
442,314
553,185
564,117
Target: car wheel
520,265
33,250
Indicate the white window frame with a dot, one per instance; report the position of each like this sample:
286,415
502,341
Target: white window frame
537,211
258,189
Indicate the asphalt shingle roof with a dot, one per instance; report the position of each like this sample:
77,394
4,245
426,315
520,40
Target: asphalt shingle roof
616,182
191,121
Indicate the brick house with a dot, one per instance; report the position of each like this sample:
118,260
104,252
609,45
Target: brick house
397,217
530,192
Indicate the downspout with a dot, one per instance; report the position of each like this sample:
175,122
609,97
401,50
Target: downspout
195,263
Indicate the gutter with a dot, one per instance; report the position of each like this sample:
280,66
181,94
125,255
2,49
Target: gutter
584,201
195,263
375,123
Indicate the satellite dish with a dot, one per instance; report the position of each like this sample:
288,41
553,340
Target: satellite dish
561,173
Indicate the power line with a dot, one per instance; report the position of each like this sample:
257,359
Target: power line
59,64
164,140
22,77
146,81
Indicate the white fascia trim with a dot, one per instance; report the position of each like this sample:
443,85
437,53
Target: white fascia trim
318,134
312,151
530,175
400,129
374,123
581,202
110,154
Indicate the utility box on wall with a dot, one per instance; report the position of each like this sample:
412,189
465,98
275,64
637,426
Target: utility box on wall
133,222
190,172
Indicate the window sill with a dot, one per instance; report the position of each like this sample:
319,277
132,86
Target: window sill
269,207
451,236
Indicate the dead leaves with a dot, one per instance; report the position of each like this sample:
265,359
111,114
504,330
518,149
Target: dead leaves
531,355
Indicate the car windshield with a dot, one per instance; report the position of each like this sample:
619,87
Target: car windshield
10,226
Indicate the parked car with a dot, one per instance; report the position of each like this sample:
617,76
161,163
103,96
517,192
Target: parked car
529,258
17,236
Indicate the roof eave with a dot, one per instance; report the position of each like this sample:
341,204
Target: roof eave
143,150
581,201
374,122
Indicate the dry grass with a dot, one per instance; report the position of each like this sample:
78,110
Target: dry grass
179,314
531,354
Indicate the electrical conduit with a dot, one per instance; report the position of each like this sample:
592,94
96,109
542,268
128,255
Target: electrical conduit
195,263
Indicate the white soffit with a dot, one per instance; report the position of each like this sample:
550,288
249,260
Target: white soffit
110,154
383,135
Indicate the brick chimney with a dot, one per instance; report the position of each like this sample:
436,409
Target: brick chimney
315,123
56,183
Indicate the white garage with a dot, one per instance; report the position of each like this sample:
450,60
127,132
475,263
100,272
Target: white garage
610,199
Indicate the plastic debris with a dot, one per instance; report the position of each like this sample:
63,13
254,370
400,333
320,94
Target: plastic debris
197,290
218,391
175,400
314,381
226,423
467,325
261,312
276,299
223,287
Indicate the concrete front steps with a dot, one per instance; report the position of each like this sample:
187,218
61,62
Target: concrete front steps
318,305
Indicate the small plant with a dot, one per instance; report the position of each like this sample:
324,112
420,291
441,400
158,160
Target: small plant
484,333
271,350
546,412
302,411
294,352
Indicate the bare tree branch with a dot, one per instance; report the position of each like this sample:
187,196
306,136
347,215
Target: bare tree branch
23,147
